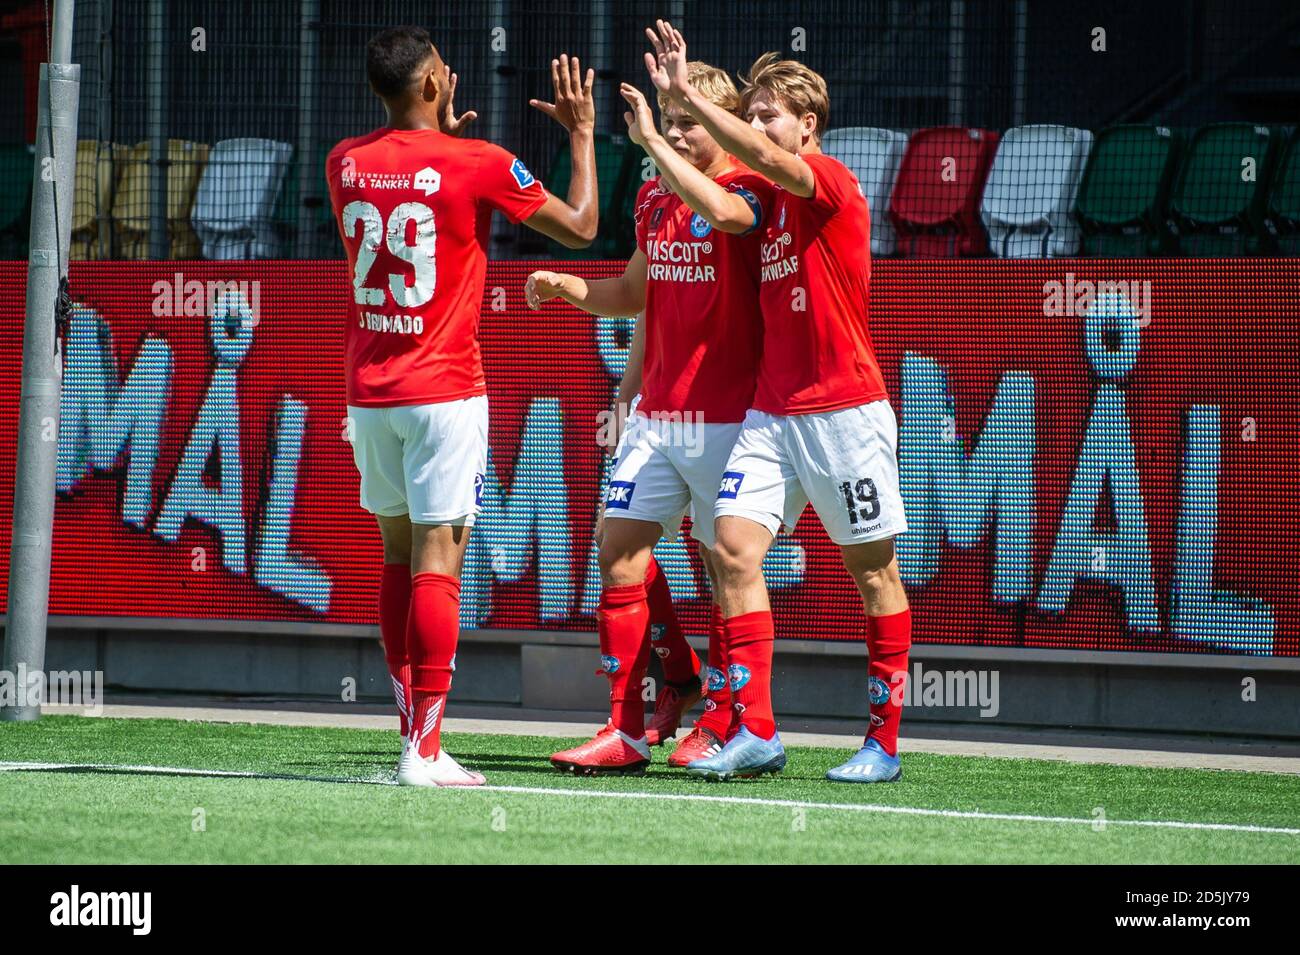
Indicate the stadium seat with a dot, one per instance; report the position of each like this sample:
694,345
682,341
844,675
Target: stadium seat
874,156
131,203
236,198
935,203
1124,194
1282,211
1029,198
99,166
1215,209
610,155
16,163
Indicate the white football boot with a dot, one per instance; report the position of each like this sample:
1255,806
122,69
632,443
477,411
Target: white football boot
442,770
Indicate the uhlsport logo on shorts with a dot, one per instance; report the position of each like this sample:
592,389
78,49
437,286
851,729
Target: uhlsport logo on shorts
739,676
609,664
700,226
521,174
877,690
620,494
717,679
730,485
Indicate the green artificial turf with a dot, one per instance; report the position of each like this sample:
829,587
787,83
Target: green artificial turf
333,802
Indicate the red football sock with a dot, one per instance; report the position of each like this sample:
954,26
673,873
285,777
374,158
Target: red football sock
623,619
432,631
675,655
749,653
394,606
717,696
888,640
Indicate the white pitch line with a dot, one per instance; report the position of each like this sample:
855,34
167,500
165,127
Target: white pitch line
675,797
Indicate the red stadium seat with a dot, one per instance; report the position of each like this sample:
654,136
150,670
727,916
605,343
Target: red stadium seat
935,206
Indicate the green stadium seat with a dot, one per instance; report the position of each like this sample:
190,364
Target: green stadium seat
15,199
1215,210
611,150
1282,211
1125,191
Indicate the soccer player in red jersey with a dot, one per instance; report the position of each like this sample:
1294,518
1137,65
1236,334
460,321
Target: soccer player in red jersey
821,429
695,275
414,203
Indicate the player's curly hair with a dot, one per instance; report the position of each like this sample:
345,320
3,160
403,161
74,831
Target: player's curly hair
393,56
714,84
798,88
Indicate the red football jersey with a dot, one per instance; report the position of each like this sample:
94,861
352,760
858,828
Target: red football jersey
816,271
703,318
414,207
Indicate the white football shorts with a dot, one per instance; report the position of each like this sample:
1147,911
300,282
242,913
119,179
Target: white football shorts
426,460
844,462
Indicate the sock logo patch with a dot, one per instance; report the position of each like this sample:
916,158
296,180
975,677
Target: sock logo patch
877,690
609,664
657,631
739,676
620,494
717,680
877,719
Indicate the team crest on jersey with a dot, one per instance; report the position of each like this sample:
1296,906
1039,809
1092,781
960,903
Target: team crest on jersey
717,680
427,180
609,664
877,690
730,485
739,676
700,226
522,176
620,494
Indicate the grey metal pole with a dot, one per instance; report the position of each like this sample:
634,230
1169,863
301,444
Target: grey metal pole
311,182
38,417
1020,68
159,243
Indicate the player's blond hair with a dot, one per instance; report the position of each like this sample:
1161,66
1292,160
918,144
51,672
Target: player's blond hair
714,85
799,89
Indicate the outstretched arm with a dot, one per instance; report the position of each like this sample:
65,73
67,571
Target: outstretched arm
667,69
724,210
624,295
572,223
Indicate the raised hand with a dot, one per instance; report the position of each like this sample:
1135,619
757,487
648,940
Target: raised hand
667,64
542,287
574,105
640,121
452,124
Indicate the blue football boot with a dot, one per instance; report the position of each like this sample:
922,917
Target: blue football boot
744,755
870,764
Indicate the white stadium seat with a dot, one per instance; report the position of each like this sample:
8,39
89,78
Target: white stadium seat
236,199
1029,198
874,156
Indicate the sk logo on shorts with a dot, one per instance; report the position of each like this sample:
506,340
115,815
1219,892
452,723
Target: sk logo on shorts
730,485
620,494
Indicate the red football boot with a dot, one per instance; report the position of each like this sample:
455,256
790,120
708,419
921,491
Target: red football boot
699,743
611,752
672,704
